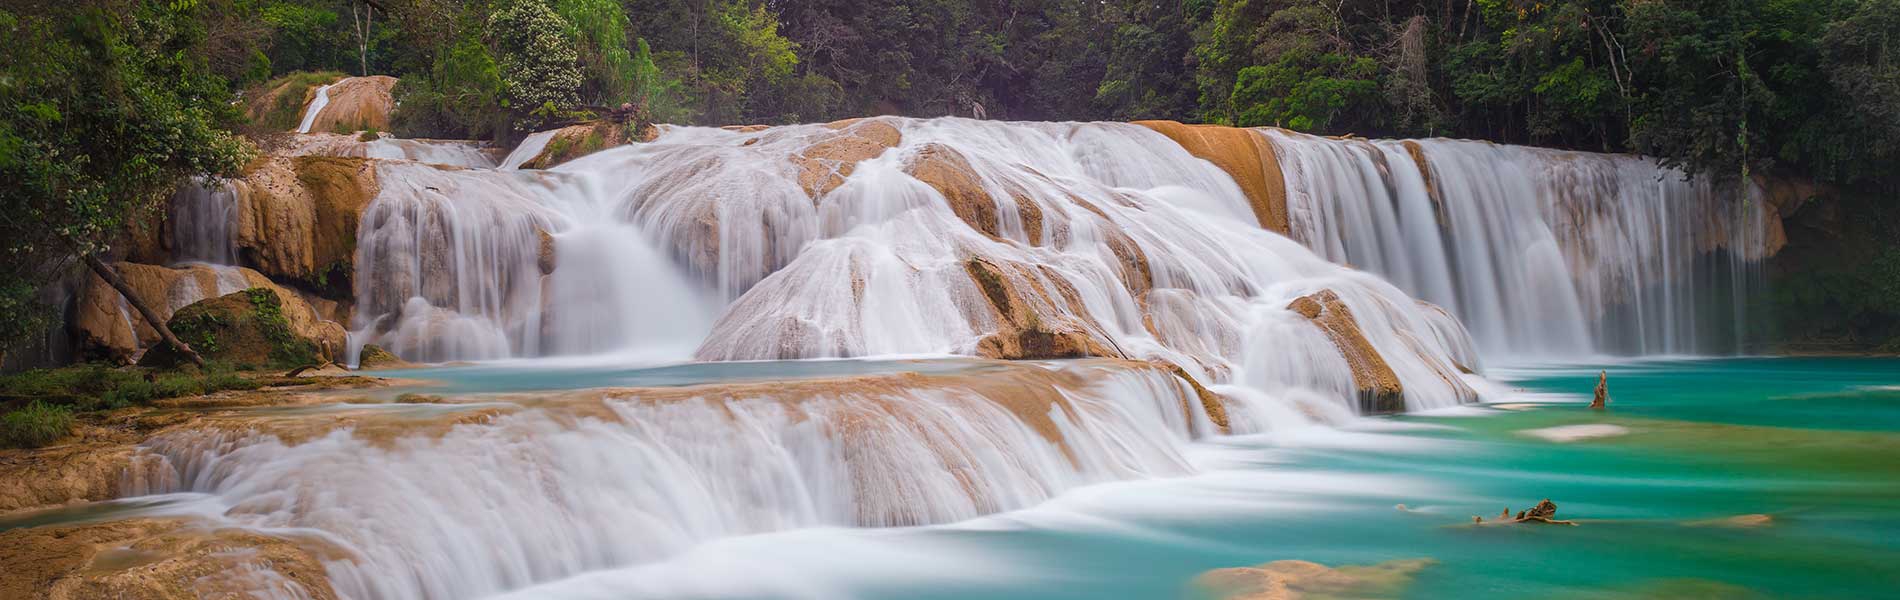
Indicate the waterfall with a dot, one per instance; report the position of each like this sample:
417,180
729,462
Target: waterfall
317,102
946,236
450,507
1538,252
203,222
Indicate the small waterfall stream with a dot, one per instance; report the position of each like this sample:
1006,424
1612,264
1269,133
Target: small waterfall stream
317,102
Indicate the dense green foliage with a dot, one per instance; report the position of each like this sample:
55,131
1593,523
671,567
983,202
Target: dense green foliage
36,425
40,405
104,108
1728,87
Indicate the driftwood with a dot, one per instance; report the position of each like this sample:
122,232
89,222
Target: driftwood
1603,391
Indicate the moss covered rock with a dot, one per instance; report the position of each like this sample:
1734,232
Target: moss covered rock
247,328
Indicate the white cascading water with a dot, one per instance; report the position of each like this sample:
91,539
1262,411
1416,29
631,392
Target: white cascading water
590,483
705,244
315,108
203,219
1538,252
447,260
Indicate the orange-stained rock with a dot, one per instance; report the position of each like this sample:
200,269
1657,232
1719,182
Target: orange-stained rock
1024,332
1379,388
297,218
943,168
1245,155
357,104
1210,401
823,165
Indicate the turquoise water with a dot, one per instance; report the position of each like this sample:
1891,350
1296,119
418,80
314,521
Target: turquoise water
1813,443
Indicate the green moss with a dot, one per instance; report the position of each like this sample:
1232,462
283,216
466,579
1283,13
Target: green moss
38,424
287,349
90,387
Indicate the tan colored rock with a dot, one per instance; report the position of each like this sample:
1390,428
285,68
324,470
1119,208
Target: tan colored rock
1245,155
1024,332
1417,152
357,104
156,559
824,164
544,255
69,472
375,357
253,327
943,168
578,140
297,218
1379,388
105,327
1297,579
1210,401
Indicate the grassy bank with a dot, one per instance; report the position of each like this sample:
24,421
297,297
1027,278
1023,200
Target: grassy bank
39,407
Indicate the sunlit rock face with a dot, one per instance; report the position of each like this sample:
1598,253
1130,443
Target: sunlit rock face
1538,251
350,104
875,237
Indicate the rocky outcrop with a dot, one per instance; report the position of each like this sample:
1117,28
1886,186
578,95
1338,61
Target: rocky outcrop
824,164
582,139
250,328
1023,332
375,357
106,328
1296,579
1379,388
357,104
1245,155
946,170
1210,401
156,559
297,218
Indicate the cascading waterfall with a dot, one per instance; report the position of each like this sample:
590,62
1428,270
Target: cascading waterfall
621,477
203,219
1539,252
904,237
1108,230
310,112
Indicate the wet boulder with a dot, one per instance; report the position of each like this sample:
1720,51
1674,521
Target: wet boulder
249,328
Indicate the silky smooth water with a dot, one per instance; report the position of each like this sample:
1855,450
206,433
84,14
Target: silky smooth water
1811,442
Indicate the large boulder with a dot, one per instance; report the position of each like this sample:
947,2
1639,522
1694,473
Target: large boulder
357,104
1378,387
824,164
106,327
1026,327
943,168
1244,154
582,139
250,328
297,218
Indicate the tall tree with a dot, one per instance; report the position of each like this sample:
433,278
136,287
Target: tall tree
105,108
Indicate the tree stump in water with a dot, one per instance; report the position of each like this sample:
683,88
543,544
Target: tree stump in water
1603,391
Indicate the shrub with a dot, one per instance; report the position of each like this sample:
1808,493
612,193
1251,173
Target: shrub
36,425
